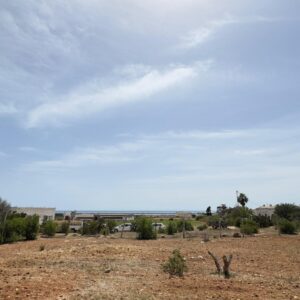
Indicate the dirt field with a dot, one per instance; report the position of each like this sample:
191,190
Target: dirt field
264,267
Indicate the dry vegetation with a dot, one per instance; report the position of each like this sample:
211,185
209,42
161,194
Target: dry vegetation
263,267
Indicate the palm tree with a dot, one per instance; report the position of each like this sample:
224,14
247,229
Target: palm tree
242,199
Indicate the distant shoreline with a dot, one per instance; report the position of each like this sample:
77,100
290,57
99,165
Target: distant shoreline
132,212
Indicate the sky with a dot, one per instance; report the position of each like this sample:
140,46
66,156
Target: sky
149,105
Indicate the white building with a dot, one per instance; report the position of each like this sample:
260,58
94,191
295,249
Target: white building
44,213
265,210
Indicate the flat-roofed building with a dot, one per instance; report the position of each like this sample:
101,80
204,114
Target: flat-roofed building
115,216
84,217
264,210
44,213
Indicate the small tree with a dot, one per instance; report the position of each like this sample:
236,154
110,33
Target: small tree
111,224
287,227
32,227
4,212
49,228
202,226
171,227
65,227
187,225
249,227
208,211
144,229
236,215
222,210
90,228
176,265
263,221
4,209
288,211
242,199
14,230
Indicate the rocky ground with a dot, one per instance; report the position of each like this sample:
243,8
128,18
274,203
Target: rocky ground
74,267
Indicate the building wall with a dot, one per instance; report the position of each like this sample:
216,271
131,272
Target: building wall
44,213
269,211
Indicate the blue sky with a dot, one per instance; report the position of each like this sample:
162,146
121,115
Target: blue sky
159,105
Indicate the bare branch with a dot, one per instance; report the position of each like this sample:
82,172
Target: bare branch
216,262
227,262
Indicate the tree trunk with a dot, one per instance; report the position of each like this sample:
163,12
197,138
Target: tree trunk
216,262
227,262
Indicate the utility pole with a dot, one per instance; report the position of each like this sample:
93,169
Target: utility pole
183,229
122,231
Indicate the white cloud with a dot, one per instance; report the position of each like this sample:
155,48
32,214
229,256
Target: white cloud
7,109
199,135
183,165
92,98
27,149
185,150
137,148
82,157
201,35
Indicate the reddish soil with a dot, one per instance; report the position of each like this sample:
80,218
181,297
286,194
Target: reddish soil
263,267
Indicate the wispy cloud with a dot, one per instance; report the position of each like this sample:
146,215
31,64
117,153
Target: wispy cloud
198,135
92,98
83,157
252,152
2,154
28,149
135,148
201,35
7,109
183,149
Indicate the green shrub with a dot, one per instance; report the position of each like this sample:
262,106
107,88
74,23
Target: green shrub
202,226
134,225
91,228
288,211
216,221
65,227
287,227
188,225
263,221
171,227
235,215
162,230
49,228
249,227
111,224
11,232
105,231
15,229
144,229
32,227
176,265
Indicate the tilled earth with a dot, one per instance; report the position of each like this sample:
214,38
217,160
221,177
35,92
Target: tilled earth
74,267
